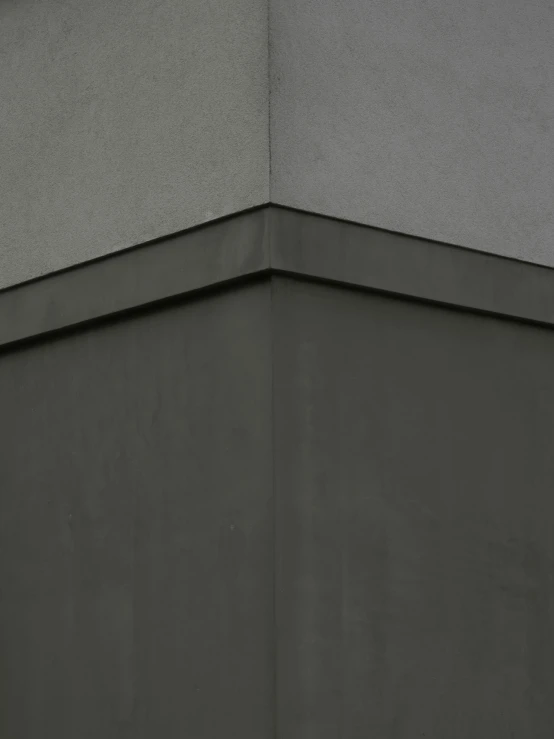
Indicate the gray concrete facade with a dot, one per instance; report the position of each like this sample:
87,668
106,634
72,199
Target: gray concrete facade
430,118
306,494
136,527
276,370
415,520
124,121
274,240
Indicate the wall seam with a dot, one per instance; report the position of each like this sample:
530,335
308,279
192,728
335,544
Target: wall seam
274,507
269,145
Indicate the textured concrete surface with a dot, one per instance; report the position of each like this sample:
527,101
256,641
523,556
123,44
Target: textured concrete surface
415,552
136,545
124,121
432,118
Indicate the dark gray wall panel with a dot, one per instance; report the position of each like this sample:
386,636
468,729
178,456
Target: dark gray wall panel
136,551
415,551
414,524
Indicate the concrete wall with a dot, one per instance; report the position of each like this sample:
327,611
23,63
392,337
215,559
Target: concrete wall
123,121
413,485
432,118
283,508
136,530
126,121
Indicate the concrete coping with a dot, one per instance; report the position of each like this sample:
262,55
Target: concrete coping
276,240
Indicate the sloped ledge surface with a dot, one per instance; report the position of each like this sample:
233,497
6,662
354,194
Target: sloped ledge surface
273,239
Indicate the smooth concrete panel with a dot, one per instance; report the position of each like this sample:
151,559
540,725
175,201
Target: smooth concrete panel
430,118
276,240
321,248
136,546
415,519
212,255
124,121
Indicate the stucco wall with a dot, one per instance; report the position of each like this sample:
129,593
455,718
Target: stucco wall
123,121
126,121
433,118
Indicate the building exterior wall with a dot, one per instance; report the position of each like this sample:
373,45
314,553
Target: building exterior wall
125,121
302,488
281,476
136,529
415,521
430,118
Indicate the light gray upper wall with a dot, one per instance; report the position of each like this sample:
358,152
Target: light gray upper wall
123,121
432,118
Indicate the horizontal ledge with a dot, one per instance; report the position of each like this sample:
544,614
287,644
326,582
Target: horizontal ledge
281,240
216,253
319,247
